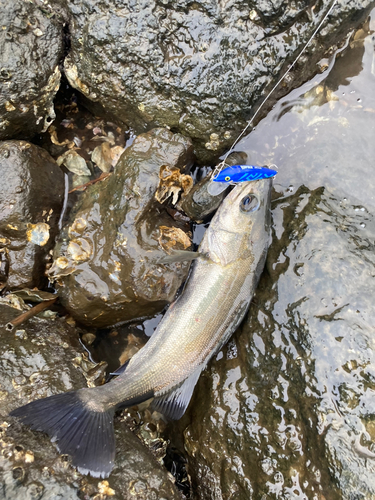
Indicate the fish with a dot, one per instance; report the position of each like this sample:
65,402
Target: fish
196,325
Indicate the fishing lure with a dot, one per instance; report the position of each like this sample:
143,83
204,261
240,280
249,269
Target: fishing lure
238,173
244,173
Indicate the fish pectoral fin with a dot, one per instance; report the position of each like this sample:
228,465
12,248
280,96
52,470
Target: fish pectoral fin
173,404
180,256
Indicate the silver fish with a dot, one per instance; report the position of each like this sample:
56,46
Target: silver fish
212,305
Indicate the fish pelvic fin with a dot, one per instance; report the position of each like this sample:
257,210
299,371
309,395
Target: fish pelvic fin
81,431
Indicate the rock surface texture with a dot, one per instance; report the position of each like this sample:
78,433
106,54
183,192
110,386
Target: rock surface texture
198,67
287,410
31,200
106,259
43,358
31,48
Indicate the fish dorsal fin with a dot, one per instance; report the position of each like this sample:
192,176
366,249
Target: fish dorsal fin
173,404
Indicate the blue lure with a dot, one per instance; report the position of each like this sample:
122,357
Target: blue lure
244,173
238,173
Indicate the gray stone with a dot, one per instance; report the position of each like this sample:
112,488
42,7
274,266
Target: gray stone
43,361
31,47
106,259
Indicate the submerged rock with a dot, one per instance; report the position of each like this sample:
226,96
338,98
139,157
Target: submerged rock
287,408
40,360
106,260
31,41
198,67
31,199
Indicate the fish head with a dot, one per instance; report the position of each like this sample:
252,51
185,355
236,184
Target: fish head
246,202
241,226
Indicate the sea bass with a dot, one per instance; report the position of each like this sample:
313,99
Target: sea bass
212,305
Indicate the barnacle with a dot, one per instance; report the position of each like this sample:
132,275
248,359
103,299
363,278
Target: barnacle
38,233
170,237
79,249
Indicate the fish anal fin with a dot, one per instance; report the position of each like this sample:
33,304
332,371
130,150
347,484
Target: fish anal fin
173,404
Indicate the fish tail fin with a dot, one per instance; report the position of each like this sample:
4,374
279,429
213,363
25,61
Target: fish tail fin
83,431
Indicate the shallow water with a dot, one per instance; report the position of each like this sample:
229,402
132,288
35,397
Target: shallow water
322,134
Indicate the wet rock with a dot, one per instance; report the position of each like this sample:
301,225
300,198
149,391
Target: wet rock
106,260
197,67
119,344
31,199
287,408
42,363
31,41
149,427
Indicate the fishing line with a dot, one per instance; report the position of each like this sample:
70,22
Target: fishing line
65,204
220,166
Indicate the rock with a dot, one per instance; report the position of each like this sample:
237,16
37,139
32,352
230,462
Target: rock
31,199
196,67
106,259
287,408
42,362
31,41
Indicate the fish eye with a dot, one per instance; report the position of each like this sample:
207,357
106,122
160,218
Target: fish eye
227,178
249,203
